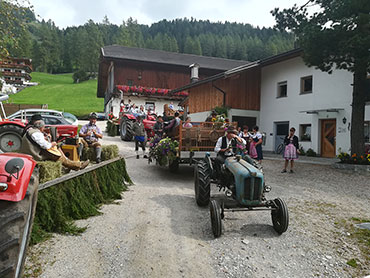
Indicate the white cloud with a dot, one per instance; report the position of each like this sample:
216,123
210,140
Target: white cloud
76,12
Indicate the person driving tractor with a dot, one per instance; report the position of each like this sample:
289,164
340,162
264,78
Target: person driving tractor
227,146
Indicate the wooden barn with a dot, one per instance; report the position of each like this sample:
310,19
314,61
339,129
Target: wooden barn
145,76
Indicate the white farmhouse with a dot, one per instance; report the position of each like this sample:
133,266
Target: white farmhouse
280,92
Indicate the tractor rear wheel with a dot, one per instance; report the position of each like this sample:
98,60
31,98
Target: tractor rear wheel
202,183
280,216
174,166
126,130
10,138
215,211
15,230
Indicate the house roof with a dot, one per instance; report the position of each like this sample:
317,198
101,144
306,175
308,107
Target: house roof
217,76
259,63
164,57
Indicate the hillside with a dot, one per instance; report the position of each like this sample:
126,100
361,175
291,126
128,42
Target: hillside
59,92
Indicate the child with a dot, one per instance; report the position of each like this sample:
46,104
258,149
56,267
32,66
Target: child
139,133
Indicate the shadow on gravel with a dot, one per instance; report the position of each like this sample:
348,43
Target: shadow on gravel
187,219
161,176
258,231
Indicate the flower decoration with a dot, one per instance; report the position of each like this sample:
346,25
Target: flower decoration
164,151
150,91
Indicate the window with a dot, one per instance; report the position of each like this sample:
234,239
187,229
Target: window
149,105
306,85
282,89
367,131
51,121
305,132
130,82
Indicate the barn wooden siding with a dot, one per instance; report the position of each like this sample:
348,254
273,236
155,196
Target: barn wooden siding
152,75
242,92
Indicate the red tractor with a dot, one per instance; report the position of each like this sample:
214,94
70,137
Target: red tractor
126,123
18,199
11,130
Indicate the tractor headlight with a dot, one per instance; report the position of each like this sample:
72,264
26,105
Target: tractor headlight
3,186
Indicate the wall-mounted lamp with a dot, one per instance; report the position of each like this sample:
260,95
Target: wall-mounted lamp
139,76
344,120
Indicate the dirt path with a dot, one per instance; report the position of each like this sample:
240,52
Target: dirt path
158,231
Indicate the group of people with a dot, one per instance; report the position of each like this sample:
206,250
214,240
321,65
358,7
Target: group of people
38,142
132,108
227,145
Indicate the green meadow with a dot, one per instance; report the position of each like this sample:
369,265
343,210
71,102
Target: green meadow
60,93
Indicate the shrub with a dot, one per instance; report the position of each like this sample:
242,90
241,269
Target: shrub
80,76
221,110
311,152
301,150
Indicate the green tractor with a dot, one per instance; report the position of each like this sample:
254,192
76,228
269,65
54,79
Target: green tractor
243,182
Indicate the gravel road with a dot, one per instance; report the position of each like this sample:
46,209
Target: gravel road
157,230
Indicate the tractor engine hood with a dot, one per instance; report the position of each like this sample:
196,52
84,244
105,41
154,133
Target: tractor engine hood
241,168
15,173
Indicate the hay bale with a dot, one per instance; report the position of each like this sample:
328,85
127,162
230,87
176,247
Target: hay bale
49,170
108,152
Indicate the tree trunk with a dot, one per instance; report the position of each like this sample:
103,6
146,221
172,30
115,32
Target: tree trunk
358,112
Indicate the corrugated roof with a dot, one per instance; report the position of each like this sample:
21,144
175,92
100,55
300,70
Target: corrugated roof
171,58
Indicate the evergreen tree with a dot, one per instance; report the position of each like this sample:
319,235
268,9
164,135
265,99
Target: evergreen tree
337,36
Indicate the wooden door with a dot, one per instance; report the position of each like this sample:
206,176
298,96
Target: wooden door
328,134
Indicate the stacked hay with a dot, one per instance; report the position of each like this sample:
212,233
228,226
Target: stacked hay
78,198
49,170
108,152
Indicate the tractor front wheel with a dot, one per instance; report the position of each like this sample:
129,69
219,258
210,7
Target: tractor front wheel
280,216
126,130
215,211
202,183
15,230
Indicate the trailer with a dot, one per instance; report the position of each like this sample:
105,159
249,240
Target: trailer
196,141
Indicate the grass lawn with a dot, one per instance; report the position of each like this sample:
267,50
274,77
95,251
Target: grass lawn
59,92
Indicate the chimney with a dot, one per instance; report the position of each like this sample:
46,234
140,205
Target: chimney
194,75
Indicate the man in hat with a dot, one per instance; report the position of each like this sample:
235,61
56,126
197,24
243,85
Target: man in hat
91,134
35,144
226,146
34,118
140,136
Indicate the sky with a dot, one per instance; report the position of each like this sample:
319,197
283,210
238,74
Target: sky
66,13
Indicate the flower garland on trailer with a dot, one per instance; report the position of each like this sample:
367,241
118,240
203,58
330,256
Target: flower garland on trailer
164,151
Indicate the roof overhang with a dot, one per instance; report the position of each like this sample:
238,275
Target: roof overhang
328,110
221,75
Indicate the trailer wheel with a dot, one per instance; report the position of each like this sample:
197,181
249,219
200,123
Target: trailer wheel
15,230
202,183
174,166
280,216
10,138
126,130
215,211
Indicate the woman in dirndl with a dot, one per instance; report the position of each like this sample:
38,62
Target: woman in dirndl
291,150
